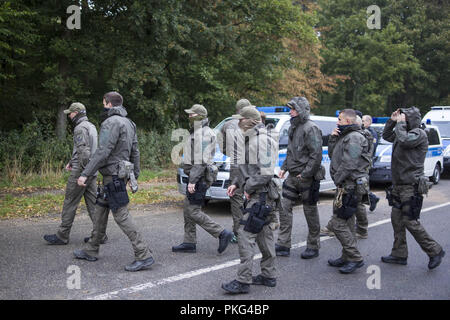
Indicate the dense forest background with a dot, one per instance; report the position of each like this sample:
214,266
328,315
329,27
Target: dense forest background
164,56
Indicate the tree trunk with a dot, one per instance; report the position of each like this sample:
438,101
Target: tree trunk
61,123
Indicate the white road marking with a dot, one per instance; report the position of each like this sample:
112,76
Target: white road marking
194,273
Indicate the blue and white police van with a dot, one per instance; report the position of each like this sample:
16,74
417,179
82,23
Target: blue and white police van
439,116
277,118
434,160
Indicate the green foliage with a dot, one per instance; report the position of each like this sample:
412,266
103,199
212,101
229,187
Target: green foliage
404,63
162,56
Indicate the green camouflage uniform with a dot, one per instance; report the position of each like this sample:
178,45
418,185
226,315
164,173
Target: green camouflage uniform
261,154
117,142
84,145
304,156
350,161
410,145
198,154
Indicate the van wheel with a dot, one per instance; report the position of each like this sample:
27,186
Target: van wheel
436,174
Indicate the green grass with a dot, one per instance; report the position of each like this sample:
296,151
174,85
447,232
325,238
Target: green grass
58,180
17,201
30,206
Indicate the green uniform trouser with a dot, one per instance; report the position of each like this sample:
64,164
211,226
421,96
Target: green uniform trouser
72,199
401,222
292,188
125,223
194,215
236,202
345,233
362,223
247,245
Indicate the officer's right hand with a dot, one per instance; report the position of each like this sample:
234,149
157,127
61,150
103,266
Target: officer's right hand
191,187
231,190
335,132
68,167
82,181
395,114
281,174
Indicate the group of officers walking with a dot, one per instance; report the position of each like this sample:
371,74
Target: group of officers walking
260,205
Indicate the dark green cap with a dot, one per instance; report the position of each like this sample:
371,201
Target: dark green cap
75,107
198,109
249,112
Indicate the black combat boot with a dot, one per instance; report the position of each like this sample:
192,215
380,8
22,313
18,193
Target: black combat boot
395,260
339,262
436,260
351,266
224,240
373,199
309,253
282,251
140,265
53,239
185,247
81,254
236,287
261,280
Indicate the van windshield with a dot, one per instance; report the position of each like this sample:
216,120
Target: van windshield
444,128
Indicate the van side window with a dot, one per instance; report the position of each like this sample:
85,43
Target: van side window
433,137
326,127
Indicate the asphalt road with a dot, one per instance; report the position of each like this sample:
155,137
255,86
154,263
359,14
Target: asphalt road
31,269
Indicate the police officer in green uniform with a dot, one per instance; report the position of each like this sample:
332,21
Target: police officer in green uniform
118,144
197,165
84,145
410,145
230,136
349,168
260,218
303,162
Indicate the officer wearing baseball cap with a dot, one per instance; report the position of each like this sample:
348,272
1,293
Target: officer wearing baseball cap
197,165
84,145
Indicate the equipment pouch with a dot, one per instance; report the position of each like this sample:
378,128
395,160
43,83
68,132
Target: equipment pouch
349,206
320,174
257,217
116,193
389,196
422,187
198,197
314,192
362,186
415,206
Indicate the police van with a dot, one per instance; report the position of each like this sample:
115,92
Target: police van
439,116
278,119
434,160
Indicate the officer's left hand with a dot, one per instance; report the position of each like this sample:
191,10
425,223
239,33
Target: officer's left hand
82,181
299,176
247,196
191,187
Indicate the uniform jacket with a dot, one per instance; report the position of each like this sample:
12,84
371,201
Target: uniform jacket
84,143
117,142
230,147
349,154
304,150
410,146
199,151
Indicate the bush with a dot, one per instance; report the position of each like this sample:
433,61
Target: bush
155,149
36,150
